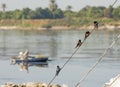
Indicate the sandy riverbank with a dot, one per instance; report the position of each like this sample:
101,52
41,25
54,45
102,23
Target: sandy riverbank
105,27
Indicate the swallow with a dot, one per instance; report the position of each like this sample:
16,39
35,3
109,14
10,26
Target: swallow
87,34
78,44
58,70
96,24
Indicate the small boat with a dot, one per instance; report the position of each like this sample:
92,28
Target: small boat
30,59
33,60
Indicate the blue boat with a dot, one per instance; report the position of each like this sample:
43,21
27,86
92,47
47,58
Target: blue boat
33,60
30,59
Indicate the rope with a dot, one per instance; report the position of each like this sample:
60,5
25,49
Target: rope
114,3
115,80
75,52
100,58
70,58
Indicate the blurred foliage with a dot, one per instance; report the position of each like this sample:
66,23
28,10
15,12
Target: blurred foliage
54,16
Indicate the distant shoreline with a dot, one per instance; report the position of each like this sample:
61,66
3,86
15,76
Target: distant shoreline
104,27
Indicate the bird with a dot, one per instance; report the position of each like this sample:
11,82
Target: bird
58,70
87,34
96,24
78,44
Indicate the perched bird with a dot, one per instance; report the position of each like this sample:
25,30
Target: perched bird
58,70
95,24
78,44
87,34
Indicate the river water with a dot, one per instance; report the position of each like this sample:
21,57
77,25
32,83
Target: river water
59,46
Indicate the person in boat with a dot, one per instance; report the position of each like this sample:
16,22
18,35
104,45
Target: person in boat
23,55
20,56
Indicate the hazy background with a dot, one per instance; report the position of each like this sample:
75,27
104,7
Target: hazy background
76,4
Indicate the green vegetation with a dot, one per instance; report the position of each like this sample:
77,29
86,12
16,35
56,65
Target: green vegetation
53,16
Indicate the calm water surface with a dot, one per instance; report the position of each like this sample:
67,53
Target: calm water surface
59,46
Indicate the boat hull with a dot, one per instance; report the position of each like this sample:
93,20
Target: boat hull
33,60
43,59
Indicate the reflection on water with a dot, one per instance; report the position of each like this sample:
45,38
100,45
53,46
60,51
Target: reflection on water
24,66
59,45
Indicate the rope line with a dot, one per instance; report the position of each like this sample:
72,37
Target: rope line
76,51
100,58
114,3
62,67
115,80
95,26
70,58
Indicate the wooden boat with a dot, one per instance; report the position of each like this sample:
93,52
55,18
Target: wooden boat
29,59
33,60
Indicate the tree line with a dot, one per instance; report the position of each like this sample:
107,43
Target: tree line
54,12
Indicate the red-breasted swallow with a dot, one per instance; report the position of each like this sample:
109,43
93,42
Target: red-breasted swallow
96,24
78,44
87,34
58,70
